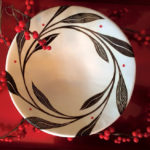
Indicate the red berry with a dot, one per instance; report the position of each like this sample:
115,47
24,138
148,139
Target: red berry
124,140
31,2
101,136
44,47
27,37
3,73
2,79
1,41
44,41
135,140
148,129
106,137
147,38
4,84
35,34
115,141
26,33
106,132
21,24
10,140
146,43
148,119
119,138
69,139
6,38
49,47
6,139
142,32
140,135
145,135
134,133
28,7
8,43
26,13
128,140
26,2
111,129
20,128
1,87
17,29
40,42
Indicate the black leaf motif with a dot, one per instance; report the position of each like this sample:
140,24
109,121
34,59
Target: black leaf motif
91,101
42,98
43,124
60,10
121,46
21,39
48,39
100,50
11,84
81,18
87,129
121,95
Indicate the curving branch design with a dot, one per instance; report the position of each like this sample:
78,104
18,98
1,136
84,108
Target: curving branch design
96,38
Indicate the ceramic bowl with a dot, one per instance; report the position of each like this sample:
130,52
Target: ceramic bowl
80,86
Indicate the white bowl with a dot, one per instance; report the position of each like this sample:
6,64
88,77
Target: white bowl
83,84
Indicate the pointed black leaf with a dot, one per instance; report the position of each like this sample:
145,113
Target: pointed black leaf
121,95
48,39
60,10
21,39
87,129
42,98
100,50
121,46
11,84
92,100
82,18
43,124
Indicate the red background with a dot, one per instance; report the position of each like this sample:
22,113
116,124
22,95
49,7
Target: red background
134,116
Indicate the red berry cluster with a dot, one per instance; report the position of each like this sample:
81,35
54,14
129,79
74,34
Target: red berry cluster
120,139
70,139
107,133
142,37
2,80
43,44
34,34
21,27
18,132
29,4
4,40
135,136
118,13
